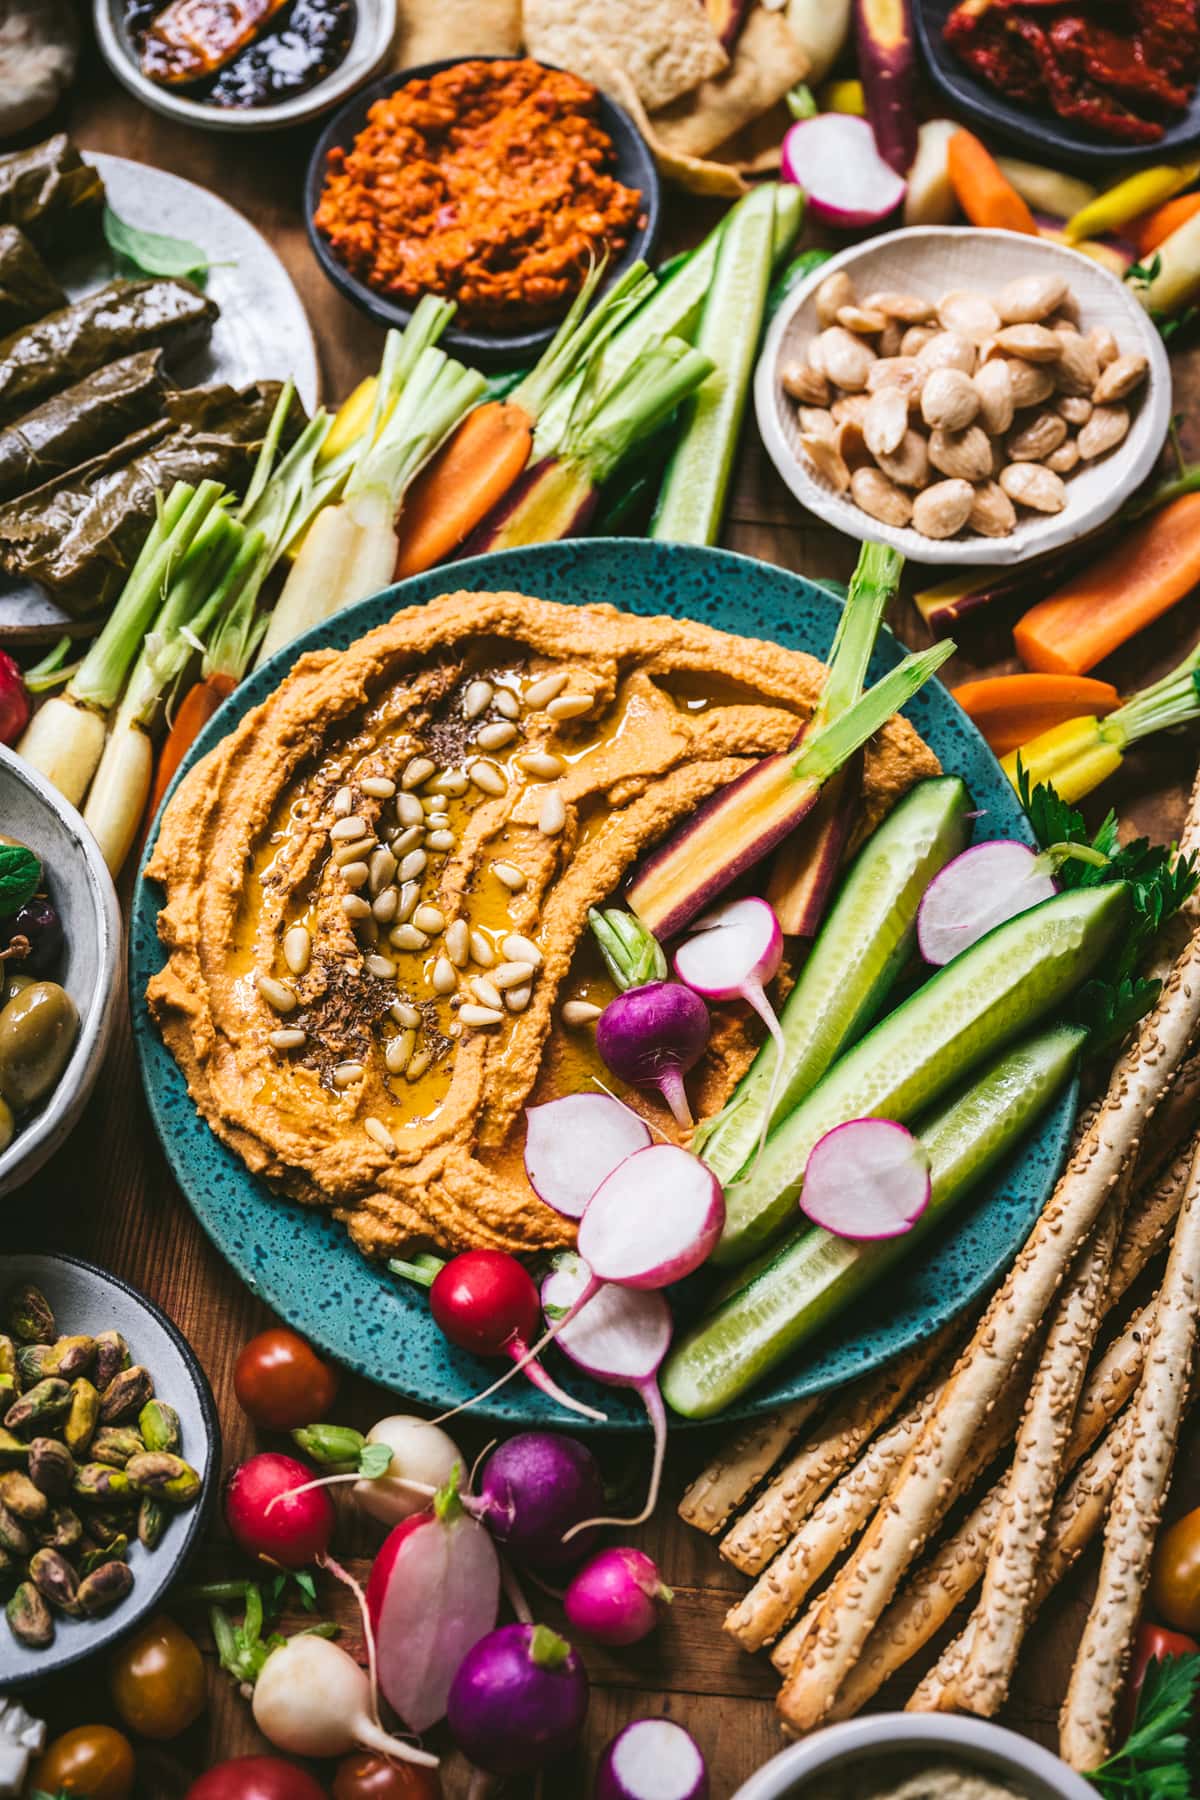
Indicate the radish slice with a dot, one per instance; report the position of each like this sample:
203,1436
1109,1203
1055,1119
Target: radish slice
572,1144
620,1337
652,1759
655,1219
835,160
866,1179
979,890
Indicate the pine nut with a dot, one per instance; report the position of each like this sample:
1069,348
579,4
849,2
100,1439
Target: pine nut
444,977
553,815
297,949
407,937
512,974
405,1015
494,737
570,706
346,1073
580,1012
397,1052
406,840
454,782
521,949
383,966
440,842
417,771
488,777
479,1016
539,692
277,994
410,893
512,877
507,703
517,999
413,865
481,950
409,810
355,874
458,946
343,803
487,993
541,763
379,787
419,1064
437,821
355,907
290,1038
430,918
378,1132
383,907
477,699
343,830
352,853
382,867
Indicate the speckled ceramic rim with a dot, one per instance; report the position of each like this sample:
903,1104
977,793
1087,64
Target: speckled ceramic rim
635,167
147,1595
38,1140
374,30
381,1328
990,1748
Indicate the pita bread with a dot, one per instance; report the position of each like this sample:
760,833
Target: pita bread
432,30
767,61
689,172
666,47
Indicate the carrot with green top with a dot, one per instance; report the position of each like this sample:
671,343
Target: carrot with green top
1154,228
982,188
1011,709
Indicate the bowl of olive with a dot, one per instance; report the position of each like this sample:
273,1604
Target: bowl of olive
60,968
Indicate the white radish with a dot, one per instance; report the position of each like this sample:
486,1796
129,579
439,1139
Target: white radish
652,1759
573,1143
866,1179
65,741
835,160
423,1460
312,1699
931,199
654,1220
977,891
620,1337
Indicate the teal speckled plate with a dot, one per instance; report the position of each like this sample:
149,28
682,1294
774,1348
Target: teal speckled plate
304,1266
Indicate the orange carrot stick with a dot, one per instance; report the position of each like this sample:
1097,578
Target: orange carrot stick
195,710
1010,710
467,477
982,188
1095,612
1154,228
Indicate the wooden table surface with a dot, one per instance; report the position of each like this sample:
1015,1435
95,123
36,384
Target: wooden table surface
108,1194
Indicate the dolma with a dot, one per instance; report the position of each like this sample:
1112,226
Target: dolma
82,422
27,288
116,321
55,197
80,535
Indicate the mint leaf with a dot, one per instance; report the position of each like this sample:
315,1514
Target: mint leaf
154,253
20,874
374,1460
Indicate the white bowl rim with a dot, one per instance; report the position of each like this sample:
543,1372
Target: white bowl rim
912,1731
36,1142
1059,529
374,34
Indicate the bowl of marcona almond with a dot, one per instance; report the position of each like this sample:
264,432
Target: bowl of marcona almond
966,396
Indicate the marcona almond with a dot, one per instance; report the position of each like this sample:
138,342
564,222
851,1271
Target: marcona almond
1076,409
1065,458
903,372
1031,298
910,309
1031,384
850,406
1031,485
943,509
971,315
1065,327
1078,367
948,350
949,398
1034,440
909,464
816,421
890,338
835,291
861,319
1104,343
963,455
845,358
1103,431
915,339
993,385
879,497
1120,377
1035,343
850,443
886,420
806,384
992,512
827,461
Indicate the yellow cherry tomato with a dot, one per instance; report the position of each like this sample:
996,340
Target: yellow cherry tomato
93,1760
157,1680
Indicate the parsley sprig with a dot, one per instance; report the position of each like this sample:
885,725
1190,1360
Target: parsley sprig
1153,1762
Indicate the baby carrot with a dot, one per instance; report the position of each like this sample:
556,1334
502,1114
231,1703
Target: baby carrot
982,188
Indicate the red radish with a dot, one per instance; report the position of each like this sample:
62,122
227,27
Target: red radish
652,1036
621,1337
978,890
15,708
519,1700
866,1179
485,1301
255,1778
534,1491
653,1221
571,1144
271,1518
434,1590
652,1759
615,1599
887,66
312,1699
835,159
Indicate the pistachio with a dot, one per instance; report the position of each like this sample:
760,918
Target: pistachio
55,1579
11,1570
116,1550
61,1529
12,1450
28,1315
104,1588
163,1475
108,1526
45,1401
23,1498
29,1618
8,1356
69,1357
805,384
963,455
1032,485
1031,298
827,460
83,1415
992,512
886,421
970,315
909,464
1034,440
51,1466
844,358
126,1395
8,1391
1119,377
882,499
31,1362
115,1444
97,1481
836,291
948,350
1105,429
944,508
152,1521
112,1355
14,1533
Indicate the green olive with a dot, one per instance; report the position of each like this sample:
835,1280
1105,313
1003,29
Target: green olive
37,1033
13,984
8,1125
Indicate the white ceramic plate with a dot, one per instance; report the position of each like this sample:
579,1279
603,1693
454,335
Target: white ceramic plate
374,30
931,261
263,332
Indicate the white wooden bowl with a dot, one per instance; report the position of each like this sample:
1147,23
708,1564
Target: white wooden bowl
931,261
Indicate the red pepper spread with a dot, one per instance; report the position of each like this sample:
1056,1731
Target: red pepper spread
1125,78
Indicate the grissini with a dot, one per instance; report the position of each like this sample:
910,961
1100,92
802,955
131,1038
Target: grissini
1086,1721
1149,1222
732,1476
855,1599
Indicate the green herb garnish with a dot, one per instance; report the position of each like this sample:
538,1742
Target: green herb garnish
153,252
1153,1762
20,875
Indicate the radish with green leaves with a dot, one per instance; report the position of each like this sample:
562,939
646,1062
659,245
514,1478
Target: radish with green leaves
312,1699
534,1490
652,1759
982,888
732,955
276,1512
519,1699
617,1597
573,1142
656,1030
866,1179
396,1469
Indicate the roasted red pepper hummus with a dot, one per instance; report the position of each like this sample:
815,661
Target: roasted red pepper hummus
489,184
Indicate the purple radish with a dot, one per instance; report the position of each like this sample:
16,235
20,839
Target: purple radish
620,1337
615,1599
652,1759
571,1144
835,159
731,955
866,1179
434,1591
533,1490
519,1700
979,890
652,1036
655,1220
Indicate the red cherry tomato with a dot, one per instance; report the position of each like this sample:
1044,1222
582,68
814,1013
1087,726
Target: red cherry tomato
93,1759
364,1776
281,1382
256,1778
157,1680
1175,1574
1152,1644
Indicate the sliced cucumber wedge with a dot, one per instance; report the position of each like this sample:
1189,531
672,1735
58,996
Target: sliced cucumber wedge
986,998
862,947
783,1299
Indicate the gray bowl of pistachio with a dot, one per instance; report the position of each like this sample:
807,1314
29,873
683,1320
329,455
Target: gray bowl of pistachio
110,1453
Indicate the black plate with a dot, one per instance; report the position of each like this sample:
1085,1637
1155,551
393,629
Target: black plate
1047,137
635,168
